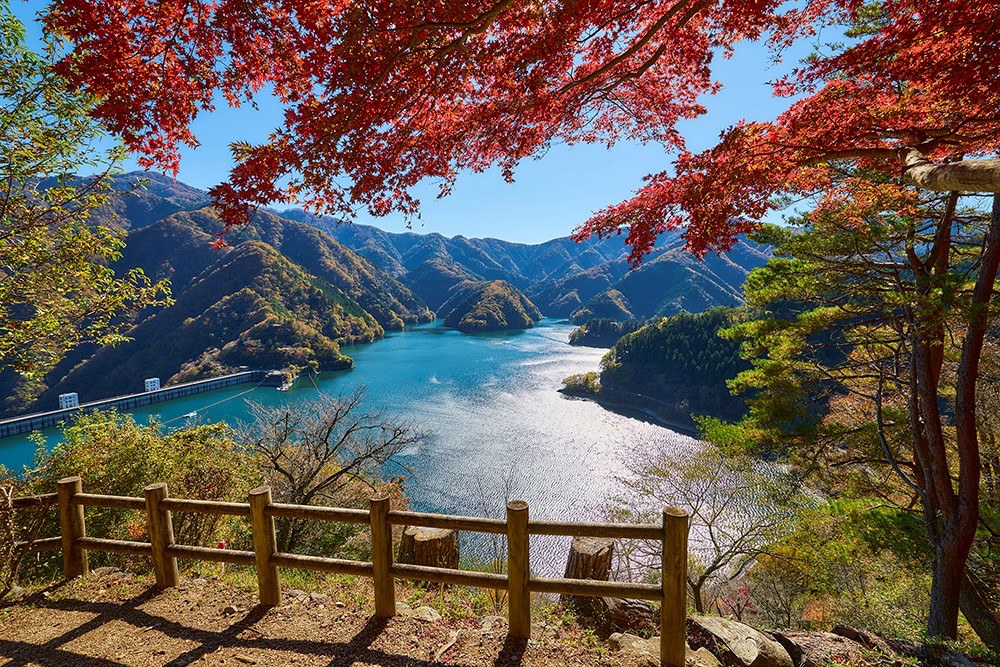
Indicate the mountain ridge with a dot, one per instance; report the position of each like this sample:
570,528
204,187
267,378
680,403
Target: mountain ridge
293,287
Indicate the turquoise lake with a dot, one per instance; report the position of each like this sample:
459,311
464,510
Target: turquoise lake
497,424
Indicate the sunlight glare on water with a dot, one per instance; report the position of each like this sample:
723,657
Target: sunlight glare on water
497,425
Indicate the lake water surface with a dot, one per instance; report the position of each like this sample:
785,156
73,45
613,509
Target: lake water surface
491,405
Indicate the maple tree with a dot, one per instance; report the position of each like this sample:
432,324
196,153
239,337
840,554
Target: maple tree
380,95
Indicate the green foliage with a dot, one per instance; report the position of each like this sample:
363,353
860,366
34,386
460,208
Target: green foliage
488,306
602,332
331,455
847,562
117,456
56,288
680,359
582,384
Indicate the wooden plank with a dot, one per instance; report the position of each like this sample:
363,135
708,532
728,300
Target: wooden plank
161,536
673,610
35,501
116,546
321,564
385,587
72,527
314,513
612,530
211,554
593,588
118,502
205,506
42,544
427,520
442,575
518,570
264,546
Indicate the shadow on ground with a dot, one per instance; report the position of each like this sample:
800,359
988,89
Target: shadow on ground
65,625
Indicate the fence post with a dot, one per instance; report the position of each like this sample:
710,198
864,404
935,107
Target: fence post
161,536
71,527
264,546
673,610
518,570
385,586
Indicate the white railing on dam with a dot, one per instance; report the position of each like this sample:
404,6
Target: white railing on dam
33,422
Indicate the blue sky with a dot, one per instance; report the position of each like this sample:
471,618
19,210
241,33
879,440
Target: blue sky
551,195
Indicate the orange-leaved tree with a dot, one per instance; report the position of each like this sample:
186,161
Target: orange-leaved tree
382,94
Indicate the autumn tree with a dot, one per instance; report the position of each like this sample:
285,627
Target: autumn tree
56,288
738,506
867,322
380,96
312,452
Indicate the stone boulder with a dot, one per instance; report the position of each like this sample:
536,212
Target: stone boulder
736,644
815,649
650,648
623,641
618,614
701,657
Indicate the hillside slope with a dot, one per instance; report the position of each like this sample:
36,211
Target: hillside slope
285,294
563,278
675,282
391,303
493,305
251,307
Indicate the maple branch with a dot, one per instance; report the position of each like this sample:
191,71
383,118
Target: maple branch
641,42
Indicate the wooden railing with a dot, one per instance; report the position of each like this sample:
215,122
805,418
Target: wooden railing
518,582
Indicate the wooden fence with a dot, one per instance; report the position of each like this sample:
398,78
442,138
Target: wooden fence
518,582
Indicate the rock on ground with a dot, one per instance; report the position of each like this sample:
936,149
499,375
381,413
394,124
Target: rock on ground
815,649
427,614
736,644
650,648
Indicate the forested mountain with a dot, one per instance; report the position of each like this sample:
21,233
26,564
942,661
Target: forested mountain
674,366
284,294
251,307
679,361
490,305
434,279
388,300
602,332
294,287
563,278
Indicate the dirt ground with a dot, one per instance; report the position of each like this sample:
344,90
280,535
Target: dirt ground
116,619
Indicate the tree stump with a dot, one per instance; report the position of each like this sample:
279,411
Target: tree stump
589,558
431,547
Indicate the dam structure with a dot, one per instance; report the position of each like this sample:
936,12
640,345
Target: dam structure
39,420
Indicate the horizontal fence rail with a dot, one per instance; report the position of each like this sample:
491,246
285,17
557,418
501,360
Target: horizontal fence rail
672,534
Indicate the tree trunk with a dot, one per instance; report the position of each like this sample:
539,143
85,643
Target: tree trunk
699,603
964,175
589,558
978,612
431,547
949,566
